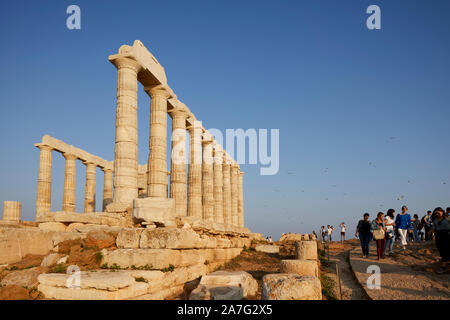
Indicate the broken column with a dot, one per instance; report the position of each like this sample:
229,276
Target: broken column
12,211
44,187
69,183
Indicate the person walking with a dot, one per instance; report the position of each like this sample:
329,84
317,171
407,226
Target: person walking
322,233
343,227
415,228
364,234
426,222
389,222
379,234
330,233
403,224
441,227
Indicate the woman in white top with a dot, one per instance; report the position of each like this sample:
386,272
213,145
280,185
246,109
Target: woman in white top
389,222
342,231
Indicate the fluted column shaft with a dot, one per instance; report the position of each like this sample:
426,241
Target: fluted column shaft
126,144
70,174
178,187
195,171
208,182
12,211
226,191
157,158
44,187
218,185
89,190
241,199
234,194
107,187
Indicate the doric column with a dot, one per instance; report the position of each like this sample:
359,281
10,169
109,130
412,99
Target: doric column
241,199
234,193
44,187
218,184
126,145
208,178
107,187
226,189
178,187
195,170
157,158
12,211
69,183
89,189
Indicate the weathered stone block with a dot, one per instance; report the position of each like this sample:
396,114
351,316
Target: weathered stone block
53,226
300,267
306,250
266,248
285,286
129,238
156,210
169,238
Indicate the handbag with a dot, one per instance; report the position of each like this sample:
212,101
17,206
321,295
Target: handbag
378,234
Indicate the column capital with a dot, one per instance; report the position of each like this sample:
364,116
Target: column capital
45,147
178,113
106,169
159,91
123,62
69,156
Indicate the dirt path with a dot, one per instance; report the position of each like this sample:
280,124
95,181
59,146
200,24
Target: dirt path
406,275
350,287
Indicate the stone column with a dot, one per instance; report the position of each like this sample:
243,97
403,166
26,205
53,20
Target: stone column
226,190
208,179
218,184
241,199
157,158
44,187
107,187
234,193
178,187
12,211
89,190
69,183
126,145
195,170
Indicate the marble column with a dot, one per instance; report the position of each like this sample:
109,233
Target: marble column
12,211
107,187
69,183
241,199
157,158
44,187
126,144
208,179
218,184
226,190
234,193
195,170
178,186
89,189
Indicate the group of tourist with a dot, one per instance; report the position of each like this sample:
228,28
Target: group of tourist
327,234
385,229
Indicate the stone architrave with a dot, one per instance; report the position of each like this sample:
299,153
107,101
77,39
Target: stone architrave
69,183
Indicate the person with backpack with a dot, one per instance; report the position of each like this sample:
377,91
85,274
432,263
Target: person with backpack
364,234
441,227
403,225
389,223
379,234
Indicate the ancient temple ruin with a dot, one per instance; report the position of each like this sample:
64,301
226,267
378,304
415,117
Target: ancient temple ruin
210,191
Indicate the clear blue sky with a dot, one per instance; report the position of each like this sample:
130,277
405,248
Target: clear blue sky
342,96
